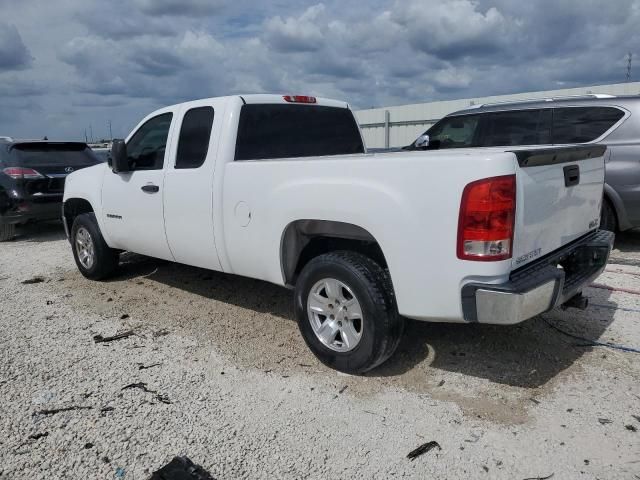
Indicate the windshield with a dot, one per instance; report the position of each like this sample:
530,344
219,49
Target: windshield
64,154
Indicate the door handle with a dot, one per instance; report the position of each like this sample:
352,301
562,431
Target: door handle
150,188
571,175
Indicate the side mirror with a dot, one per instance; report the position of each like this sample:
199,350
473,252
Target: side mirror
119,160
422,141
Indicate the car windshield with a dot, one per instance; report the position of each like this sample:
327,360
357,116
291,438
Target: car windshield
64,154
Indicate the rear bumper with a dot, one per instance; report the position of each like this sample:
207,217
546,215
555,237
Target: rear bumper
541,285
34,208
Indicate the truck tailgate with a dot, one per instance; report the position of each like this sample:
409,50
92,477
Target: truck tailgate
559,198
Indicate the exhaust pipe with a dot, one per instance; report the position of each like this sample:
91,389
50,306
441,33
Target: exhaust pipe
577,301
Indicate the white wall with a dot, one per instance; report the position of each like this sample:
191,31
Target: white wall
406,122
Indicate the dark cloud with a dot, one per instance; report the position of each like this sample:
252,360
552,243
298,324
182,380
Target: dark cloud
179,7
14,55
121,59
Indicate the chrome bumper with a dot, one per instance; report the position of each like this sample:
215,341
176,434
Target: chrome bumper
541,285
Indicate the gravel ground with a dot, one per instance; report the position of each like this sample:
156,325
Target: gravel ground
231,384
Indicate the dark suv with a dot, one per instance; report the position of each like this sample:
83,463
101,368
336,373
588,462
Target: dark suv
593,119
32,175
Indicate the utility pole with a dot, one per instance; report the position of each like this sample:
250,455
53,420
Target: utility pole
110,132
91,132
85,136
629,58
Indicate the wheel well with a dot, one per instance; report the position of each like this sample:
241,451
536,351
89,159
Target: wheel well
74,207
304,240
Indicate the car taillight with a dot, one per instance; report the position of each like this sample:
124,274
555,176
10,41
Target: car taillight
487,218
299,99
20,172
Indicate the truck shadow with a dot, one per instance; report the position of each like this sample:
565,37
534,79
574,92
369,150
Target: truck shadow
40,232
525,355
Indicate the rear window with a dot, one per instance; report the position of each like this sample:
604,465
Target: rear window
583,124
286,131
68,155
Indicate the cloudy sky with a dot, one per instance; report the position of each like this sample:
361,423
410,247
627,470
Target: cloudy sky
66,65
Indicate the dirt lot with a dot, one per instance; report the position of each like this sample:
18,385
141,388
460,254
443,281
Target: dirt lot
231,384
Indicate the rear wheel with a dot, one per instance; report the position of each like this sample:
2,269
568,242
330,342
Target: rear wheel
346,311
608,219
7,232
94,258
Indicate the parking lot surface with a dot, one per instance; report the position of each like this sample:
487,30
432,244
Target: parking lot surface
215,369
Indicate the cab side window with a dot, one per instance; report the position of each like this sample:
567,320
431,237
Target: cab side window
195,133
146,148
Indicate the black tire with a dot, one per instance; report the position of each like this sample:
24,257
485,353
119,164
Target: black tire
7,232
105,261
608,218
381,325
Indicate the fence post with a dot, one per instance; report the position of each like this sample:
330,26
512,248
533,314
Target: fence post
386,128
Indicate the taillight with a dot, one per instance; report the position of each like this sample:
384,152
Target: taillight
487,218
20,172
299,99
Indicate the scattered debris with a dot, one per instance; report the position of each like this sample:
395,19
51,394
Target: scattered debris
631,428
120,472
539,478
106,459
604,421
422,449
569,410
104,410
146,367
485,468
537,402
637,417
124,316
143,386
181,468
109,299
161,333
343,389
475,438
63,409
304,365
31,281
88,445
38,436
441,383
119,336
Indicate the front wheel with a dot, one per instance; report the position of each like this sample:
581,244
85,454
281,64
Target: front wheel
94,258
346,311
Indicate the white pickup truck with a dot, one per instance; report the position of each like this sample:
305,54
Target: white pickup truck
279,188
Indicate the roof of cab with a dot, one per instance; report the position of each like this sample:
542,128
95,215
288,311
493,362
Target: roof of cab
264,98
280,99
